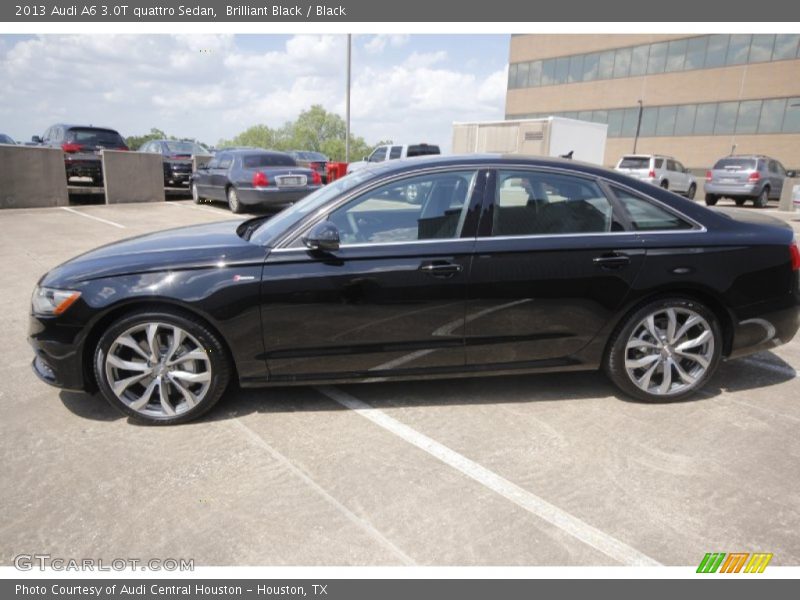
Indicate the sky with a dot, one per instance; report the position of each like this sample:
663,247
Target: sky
406,88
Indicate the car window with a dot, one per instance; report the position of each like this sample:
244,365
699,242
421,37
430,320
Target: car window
538,203
634,162
647,216
679,167
396,152
671,165
425,207
736,164
255,161
86,136
779,169
379,155
659,162
225,161
213,164
422,150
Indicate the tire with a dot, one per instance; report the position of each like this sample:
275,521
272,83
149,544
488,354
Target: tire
690,194
233,200
665,185
711,199
196,195
637,361
180,385
740,201
762,199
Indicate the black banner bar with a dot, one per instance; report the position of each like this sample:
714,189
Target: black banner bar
513,11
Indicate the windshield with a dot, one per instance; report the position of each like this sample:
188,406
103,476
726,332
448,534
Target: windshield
4,139
185,148
285,219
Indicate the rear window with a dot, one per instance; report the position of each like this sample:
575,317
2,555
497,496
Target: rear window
107,138
315,156
645,216
735,163
423,150
185,148
634,162
255,161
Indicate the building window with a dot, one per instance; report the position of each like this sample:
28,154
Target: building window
786,46
771,116
676,55
658,58
747,121
717,50
622,62
666,120
684,119
738,49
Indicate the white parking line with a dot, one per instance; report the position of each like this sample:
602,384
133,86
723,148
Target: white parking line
106,221
367,527
216,211
537,506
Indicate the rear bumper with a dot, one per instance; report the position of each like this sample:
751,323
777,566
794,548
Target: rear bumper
732,189
83,167
765,330
273,196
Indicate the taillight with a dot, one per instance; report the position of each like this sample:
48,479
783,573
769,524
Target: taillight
754,176
260,179
652,174
709,176
316,178
70,147
124,149
794,251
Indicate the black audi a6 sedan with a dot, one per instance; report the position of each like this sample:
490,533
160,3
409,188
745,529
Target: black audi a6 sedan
449,266
253,177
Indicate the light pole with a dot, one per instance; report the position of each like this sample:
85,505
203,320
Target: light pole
347,104
638,125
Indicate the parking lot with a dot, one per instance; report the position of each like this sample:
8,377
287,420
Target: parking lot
555,469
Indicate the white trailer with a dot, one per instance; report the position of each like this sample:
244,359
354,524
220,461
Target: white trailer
550,136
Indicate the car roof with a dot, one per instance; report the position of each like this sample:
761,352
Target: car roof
245,150
78,125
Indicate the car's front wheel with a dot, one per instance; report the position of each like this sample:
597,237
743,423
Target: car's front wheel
161,368
196,194
666,350
762,199
690,193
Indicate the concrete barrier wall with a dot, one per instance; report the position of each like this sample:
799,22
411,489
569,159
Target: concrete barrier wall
133,177
788,192
200,160
32,177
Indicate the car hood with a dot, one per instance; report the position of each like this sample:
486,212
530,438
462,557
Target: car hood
192,247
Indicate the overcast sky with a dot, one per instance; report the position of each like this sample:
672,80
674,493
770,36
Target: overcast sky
405,88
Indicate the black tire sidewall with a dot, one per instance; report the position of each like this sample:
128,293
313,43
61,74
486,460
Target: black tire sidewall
236,207
614,364
220,367
711,200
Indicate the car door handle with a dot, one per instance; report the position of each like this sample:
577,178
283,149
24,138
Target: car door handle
613,260
441,269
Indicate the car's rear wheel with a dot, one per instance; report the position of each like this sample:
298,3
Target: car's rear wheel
711,199
665,184
692,192
233,200
666,350
762,199
740,201
196,194
160,367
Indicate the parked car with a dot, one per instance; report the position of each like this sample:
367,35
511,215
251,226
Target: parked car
312,160
82,145
506,265
663,171
177,158
747,177
393,152
253,177
6,139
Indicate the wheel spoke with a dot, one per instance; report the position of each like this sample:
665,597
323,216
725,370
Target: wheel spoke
687,325
131,343
201,377
666,382
191,399
636,343
672,323
698,358
684,376
650,323
644,381
693,343
164,396
120,386
641,362
193,355
177,340
152,342
145,397
128,365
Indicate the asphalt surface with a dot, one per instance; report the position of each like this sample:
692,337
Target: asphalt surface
553,469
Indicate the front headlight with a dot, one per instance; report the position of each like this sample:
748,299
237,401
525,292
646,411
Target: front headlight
47,301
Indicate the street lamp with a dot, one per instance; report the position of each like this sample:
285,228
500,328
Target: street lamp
347,103
638,125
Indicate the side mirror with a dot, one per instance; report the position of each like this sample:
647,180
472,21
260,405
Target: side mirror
791,173
36,139
365,159
323,236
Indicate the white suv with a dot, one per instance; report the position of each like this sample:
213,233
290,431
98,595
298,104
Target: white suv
663,171
392,152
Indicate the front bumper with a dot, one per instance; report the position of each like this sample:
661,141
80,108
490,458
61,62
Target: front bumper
273,196
58,357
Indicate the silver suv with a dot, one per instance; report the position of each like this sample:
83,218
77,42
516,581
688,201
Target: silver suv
747,177
663,171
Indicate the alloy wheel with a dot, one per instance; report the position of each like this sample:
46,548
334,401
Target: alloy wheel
158,369
669,351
